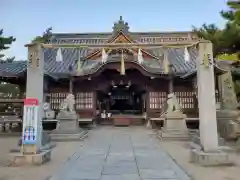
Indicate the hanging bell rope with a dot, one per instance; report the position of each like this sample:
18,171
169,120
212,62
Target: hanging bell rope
122,68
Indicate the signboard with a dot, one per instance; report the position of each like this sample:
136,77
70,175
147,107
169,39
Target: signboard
30,121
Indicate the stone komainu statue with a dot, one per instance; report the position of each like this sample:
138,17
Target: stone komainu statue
68,103
67,110
173,105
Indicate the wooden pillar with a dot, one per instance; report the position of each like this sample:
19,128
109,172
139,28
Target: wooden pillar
94,108
147,97
71,80
171,81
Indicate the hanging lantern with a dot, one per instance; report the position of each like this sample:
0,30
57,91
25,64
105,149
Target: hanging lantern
186,55
59,57
122,68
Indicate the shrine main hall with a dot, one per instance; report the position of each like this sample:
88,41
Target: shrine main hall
122,81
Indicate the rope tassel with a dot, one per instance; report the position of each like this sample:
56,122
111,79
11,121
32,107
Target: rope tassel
140,57
186,55
104,56
59,57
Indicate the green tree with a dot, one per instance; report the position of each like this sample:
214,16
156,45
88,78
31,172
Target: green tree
212,33
231,33
7,89
225,40
45,36
5,42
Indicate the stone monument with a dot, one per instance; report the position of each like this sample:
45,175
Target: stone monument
33,153
174,127
68,128
209,153
228,116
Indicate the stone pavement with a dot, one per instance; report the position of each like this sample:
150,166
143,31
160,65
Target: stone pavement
120,153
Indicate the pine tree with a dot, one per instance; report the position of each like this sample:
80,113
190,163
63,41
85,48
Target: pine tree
45,37
212,33
225,40
231,33
5,42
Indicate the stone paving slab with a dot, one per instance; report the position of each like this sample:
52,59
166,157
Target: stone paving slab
114,154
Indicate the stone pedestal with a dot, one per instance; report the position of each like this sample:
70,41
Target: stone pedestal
47,145
196,143
68,130
217,158
67,115
174,127
19,159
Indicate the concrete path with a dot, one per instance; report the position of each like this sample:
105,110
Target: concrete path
120,154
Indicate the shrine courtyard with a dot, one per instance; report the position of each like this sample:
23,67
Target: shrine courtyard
117,153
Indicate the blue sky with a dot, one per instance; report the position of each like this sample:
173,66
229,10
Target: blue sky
25,19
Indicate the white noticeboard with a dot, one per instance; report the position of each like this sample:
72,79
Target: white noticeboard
30,121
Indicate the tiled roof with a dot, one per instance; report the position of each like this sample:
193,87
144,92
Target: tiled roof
9,69
70,56
176,57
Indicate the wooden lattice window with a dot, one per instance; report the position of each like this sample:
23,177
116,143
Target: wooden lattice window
185,99
157,99
56,99
84,100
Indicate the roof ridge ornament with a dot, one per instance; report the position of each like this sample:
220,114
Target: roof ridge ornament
120,26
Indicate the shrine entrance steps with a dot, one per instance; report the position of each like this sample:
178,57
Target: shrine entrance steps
123,120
